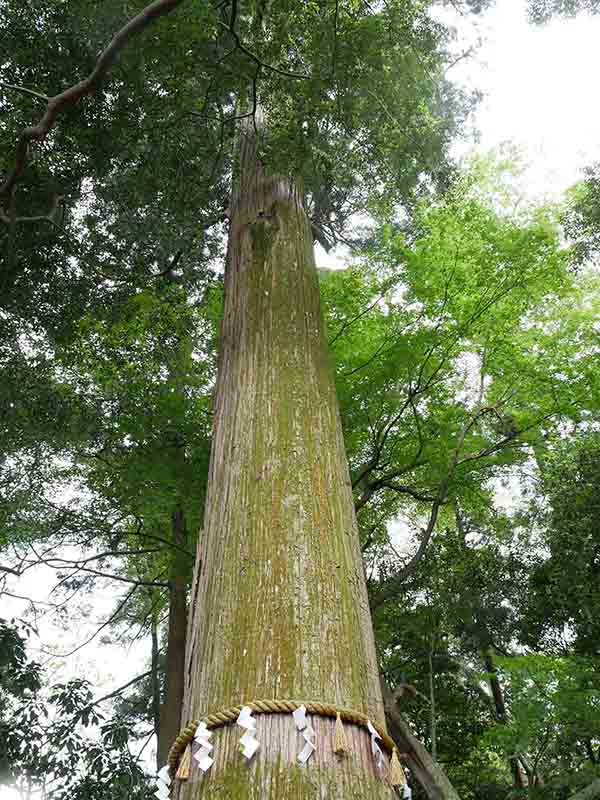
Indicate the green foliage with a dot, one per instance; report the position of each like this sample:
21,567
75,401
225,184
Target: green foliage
466,330
464,344
582,217
458,343
45,739
147,370
544,10
563,601
555,708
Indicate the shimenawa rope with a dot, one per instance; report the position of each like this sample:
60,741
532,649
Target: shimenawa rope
224,717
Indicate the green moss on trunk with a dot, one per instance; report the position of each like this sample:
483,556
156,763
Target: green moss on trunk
282,600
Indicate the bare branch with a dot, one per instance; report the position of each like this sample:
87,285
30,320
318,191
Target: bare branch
24,90
116,692
107,622
465,54
10,571
51,216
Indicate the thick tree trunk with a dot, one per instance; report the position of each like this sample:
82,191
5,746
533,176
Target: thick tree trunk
170,712
282,595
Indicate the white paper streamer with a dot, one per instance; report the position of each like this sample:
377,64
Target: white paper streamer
162,790
203,756
307,732
375,749
164,775
163,781
248,742
406,792
299,716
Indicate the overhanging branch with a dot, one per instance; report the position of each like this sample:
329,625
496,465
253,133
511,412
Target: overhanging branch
424,768
86,86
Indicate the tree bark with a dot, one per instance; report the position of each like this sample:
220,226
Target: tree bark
155,685
501,713
432,711
426,771
170,712
282,594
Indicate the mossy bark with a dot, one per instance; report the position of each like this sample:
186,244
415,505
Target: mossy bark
281,602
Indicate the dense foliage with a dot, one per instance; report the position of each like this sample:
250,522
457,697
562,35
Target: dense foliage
43,741
464,340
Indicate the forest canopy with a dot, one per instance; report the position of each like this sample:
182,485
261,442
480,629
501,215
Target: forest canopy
463,338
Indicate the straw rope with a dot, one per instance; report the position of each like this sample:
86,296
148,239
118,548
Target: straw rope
224,717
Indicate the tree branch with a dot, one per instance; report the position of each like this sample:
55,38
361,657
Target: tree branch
403,489
118,691
112,617
10,571
26,91
49,217
390,586
260,64
86,86
426,771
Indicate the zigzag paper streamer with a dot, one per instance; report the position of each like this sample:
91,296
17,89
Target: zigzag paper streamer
307,732
375,749
203,755
163,782
248,742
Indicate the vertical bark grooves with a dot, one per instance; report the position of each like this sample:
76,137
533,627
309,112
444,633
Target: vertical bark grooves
284,611
170,713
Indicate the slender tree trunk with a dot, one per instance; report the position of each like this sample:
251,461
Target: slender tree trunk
170,712
427,772
155,683
432,711
282,595
501,713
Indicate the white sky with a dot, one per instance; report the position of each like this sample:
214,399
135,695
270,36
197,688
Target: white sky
540,87
540,93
